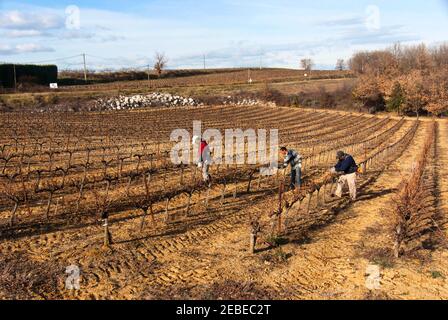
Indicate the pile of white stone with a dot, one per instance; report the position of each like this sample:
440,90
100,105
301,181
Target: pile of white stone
233,101
155,99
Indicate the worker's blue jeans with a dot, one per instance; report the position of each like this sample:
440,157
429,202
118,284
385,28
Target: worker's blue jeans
296,178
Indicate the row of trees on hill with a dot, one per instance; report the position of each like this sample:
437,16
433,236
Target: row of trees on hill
307,64
405,79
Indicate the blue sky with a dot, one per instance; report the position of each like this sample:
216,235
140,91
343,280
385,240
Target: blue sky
230,33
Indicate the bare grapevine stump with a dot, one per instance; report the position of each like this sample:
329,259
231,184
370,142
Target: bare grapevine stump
317,197
223,194
187,211
324,195
13,214
310,195
300,205
194,173
182,174
397,243
207,198
142,223
167,203
56,207
253,242
286,220
251,175
281,190
47,213
107,234
128,185
164,178
151,159
364,168
255,229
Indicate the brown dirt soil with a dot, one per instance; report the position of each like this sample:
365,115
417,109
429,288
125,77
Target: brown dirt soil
205,254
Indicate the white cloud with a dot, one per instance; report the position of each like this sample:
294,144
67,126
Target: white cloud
43,20
23,48
76,34
343,22
23,33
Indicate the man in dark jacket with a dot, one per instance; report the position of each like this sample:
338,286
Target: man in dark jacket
346,168
294,159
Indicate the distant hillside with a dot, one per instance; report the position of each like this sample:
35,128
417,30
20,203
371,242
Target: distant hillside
70,78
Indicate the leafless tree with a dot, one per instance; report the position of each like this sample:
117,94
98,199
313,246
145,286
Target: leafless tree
440,55
358,62
340,65
160,63
307,64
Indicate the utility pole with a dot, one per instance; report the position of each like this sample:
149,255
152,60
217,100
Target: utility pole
261,62
204,61
85,68
148,72
15,77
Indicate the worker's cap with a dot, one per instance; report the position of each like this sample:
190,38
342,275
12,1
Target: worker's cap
340,154
196,139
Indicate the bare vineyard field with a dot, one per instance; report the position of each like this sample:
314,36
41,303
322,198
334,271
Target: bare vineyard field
170,236
226,78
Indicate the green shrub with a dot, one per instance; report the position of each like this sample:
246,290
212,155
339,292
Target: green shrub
397,98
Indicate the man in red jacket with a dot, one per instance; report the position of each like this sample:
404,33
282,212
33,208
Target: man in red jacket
205,159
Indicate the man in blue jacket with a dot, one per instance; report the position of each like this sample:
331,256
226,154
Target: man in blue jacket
346,168
295,160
